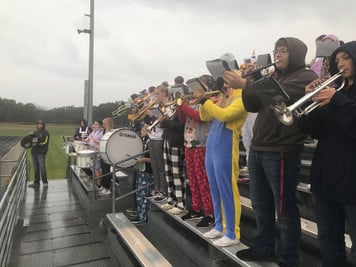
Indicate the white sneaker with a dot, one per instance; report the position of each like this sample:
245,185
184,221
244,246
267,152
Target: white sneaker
176,210
104,192
99,188
167,206
226,242
213,233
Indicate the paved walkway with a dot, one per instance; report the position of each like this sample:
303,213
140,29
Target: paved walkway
56,231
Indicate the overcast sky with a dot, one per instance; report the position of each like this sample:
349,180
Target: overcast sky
139,43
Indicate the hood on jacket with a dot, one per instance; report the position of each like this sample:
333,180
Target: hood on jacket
297,52
43,124
331,37
349,48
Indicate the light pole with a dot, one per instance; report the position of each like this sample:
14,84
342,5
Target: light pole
88,114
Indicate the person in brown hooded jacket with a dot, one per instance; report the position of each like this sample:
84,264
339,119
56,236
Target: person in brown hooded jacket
275,158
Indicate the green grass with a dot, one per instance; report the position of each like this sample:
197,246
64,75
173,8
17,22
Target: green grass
56,161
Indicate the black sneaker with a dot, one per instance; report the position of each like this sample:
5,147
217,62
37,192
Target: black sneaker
135,219
192,215
160,197
152,194
133,214
131,210
205,222
251,255
34,185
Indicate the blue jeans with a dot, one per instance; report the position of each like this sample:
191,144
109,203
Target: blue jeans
264,169
39,167
331,216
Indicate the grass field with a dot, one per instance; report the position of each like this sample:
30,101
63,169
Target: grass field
56,160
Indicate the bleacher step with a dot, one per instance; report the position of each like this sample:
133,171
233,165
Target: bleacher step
143,250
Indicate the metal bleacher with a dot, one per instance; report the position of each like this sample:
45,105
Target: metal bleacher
69,225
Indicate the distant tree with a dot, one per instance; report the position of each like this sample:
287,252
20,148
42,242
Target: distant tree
10,111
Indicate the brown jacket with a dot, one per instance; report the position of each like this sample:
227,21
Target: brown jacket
268,133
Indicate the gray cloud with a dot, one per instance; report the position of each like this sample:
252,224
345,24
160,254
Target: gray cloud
141,43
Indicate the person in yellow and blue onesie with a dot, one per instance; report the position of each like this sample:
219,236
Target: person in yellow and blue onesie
221,161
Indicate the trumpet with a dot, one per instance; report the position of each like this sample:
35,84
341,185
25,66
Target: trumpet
285,114
256,73
121,110
190,97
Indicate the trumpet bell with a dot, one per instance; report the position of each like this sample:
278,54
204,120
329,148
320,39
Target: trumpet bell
283,114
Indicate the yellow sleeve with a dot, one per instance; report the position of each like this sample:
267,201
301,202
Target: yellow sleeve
232,112
204,114
44,142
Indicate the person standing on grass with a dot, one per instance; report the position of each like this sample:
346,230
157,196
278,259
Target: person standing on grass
39,150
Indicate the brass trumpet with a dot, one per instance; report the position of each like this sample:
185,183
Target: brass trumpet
285,114
190,97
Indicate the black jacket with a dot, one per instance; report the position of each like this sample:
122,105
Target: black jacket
333,171
268,133
173,132
42,142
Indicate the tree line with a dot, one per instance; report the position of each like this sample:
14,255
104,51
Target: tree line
10,111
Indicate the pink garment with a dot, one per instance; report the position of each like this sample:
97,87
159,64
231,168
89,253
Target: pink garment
95,137
317,63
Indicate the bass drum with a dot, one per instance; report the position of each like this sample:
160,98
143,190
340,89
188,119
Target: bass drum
120,144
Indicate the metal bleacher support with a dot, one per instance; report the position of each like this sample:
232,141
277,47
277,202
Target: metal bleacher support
9,208
84,190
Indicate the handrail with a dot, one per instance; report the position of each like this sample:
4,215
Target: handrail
135,191
116,167
9,204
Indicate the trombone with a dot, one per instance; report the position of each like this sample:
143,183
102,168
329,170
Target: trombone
285,114
141,112
121,110
169,109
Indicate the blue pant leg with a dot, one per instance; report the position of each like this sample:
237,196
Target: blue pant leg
42,166
289,221
142,202
262,202
222,160
36,168
214,189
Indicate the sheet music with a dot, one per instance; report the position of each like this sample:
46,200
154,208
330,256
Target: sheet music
217,67
325,49
194,84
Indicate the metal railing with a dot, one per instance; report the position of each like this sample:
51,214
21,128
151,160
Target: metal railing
9,208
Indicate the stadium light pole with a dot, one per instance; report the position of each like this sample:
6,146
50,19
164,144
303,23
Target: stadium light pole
90,31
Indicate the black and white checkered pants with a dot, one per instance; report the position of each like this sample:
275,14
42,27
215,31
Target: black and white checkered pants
173,166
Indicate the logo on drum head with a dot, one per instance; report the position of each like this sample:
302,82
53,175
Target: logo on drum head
127,135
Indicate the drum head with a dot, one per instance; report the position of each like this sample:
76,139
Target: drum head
119,145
